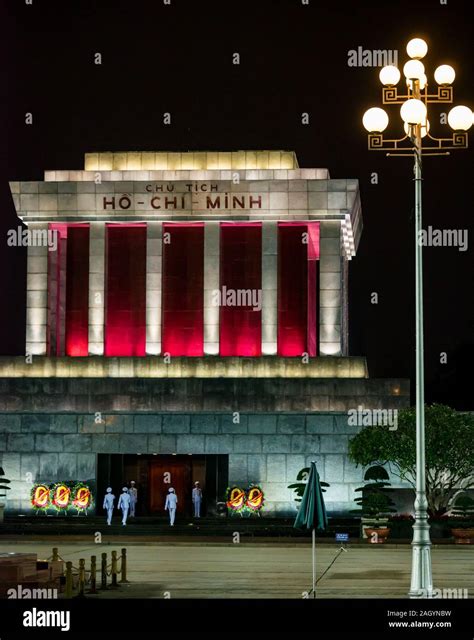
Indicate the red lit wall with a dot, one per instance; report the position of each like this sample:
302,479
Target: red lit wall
298,252
240,268
77,291
312,257
183,289
292,290
68,291
56,291
125,309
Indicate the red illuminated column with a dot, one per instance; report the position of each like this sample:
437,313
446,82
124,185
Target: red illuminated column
241,289
182,297
77,291
125,312
68,274
57,259
312,257
298,253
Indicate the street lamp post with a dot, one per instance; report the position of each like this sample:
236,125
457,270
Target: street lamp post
414,114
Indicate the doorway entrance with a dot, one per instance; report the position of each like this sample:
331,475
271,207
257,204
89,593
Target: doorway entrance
155,474
178,472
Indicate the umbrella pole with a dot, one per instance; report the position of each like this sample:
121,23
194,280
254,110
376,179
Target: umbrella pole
314,563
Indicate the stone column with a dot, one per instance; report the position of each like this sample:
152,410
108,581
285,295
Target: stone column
344,306
57,264
96,288
211,283
330,291
154,249
61,347
37,292
269,287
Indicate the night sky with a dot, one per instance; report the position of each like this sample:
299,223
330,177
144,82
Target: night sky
177,58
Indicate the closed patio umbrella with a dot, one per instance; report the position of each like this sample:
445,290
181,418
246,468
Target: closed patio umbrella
312,513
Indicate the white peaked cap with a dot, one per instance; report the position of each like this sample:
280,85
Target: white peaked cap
124,489
109,489
171,490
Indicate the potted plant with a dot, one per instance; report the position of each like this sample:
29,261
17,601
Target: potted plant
440,526
449,452
463,519
401,525
3,492
375,505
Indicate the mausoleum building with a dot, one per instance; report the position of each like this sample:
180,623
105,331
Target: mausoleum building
187,313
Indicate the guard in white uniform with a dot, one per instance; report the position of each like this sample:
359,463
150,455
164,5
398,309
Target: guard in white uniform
170,504
124,504
108,505
197,498
133,493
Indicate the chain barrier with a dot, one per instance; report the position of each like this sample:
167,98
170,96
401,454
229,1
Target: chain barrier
89,576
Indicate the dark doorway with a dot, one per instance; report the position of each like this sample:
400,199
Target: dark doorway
171,471
155,474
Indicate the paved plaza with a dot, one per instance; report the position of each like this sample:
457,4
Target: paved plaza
263,570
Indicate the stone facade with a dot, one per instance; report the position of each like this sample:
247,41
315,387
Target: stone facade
54,428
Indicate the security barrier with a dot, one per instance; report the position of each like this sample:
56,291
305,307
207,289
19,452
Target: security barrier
76,577
103,572
93,578
114,584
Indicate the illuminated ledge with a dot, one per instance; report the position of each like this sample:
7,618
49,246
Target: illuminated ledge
206,367
189,160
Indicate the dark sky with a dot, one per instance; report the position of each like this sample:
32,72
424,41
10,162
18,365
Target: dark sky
158,58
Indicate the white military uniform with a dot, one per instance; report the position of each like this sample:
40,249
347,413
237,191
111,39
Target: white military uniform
108,505
197,498
170,504
124,504
133,493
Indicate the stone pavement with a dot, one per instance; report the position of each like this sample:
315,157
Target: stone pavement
264,570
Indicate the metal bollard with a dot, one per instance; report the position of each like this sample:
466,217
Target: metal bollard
82,578
103,572
114,584
68,589
55,557
123,569
93,588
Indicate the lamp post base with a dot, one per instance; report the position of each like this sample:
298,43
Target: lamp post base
421,575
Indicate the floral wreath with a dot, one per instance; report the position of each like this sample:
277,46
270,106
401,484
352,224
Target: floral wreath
249,502
61,496
82,497
40,497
